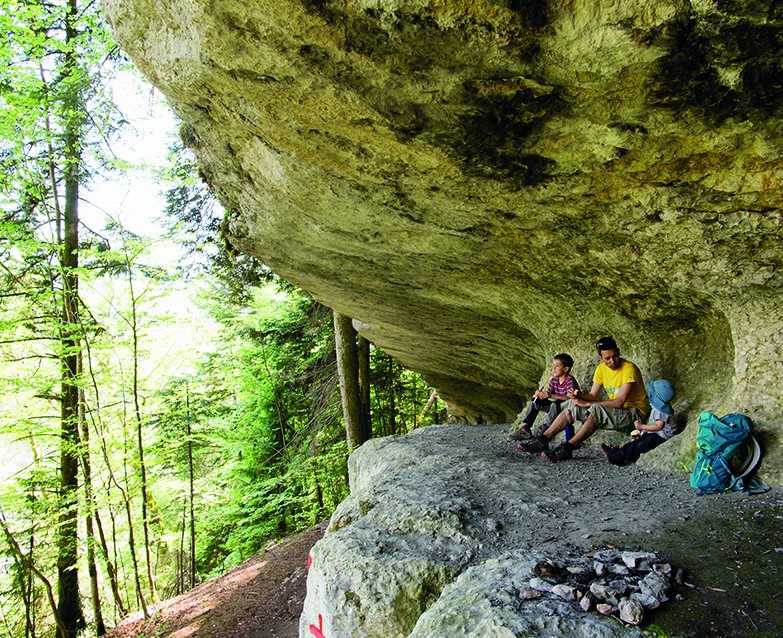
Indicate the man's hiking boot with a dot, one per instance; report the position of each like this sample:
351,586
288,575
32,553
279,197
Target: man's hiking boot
534,446
562,452
521,434
613,454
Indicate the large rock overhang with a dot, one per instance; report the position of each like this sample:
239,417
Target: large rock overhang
482,184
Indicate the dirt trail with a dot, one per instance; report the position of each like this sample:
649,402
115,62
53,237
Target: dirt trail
261,598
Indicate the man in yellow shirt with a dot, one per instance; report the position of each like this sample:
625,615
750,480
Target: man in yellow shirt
627,403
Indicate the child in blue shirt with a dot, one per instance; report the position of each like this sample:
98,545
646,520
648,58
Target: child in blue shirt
660,426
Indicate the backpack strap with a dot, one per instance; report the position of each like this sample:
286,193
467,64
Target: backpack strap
754,487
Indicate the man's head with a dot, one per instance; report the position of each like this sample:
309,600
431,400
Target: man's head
609,353
562,364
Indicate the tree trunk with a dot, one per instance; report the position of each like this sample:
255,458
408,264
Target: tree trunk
139,435
363,353
69,600
28,592
62,630
392,410
356,430
110,569
92,567
431,402
132,547
192,491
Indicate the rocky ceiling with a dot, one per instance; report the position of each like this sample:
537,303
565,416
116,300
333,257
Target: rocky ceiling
481,184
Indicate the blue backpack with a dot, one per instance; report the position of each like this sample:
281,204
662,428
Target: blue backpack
718,440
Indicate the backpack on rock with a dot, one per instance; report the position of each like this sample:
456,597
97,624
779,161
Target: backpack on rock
722,443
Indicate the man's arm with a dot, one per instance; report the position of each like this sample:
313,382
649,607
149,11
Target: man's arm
585,400
619,400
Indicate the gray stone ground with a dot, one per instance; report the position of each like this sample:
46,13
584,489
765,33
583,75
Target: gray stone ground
443,525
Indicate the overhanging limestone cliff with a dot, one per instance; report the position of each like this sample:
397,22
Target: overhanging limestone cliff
484,183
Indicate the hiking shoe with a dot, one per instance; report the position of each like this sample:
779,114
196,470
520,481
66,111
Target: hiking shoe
534,446
562,452
522,434
613,454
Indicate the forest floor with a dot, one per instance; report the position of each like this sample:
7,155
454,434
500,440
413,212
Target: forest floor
261,598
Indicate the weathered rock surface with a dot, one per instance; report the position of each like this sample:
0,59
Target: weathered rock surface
481,184
448,530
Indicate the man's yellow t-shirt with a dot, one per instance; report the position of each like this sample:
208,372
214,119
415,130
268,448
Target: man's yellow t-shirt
611,380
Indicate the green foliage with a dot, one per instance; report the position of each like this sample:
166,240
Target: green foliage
282,440
280,436
397,396
194,218
237,403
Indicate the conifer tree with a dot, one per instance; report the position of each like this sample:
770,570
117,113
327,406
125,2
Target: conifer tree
51,53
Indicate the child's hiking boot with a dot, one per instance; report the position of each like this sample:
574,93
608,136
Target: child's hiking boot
534,446
562,452
614,455
521,434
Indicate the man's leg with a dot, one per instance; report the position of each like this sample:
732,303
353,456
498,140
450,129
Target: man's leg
565,450
568,415
585,432
554,410
558,425
599,417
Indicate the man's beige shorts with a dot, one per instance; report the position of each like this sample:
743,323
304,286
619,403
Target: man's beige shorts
621,419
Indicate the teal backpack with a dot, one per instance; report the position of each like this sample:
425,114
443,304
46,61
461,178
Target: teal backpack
718,441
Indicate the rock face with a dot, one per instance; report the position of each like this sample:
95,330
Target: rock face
450,532
481,184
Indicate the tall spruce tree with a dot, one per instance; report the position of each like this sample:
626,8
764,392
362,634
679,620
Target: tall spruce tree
51,53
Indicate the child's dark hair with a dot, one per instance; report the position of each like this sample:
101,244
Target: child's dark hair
606,343
566,359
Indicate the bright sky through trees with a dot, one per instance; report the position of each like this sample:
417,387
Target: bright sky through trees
134,197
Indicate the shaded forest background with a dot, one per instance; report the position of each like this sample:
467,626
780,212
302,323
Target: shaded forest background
159,424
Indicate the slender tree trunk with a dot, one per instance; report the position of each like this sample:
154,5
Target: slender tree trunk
318,493
29,591
131,540
131,536
192,491
16,550
363,354
139,436
110,568
92,567
356,430
392,410
69,599
431,402
113,560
